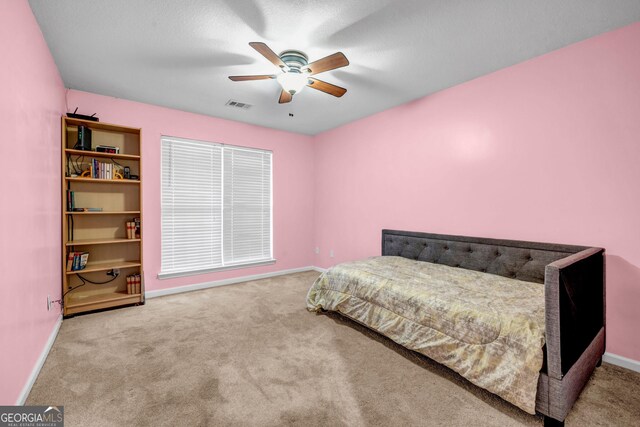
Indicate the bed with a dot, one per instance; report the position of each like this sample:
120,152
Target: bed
524,320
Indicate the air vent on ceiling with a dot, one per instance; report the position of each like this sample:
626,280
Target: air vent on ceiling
237,104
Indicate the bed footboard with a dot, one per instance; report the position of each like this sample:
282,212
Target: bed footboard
575,311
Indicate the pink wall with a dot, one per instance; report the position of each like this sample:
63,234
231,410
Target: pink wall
292,178
31,102
546,150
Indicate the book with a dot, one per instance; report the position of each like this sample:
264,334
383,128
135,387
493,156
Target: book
84,258
138,283
136,223
70,200
129,284
70,261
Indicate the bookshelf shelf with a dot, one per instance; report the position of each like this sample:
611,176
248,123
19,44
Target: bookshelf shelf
102,181
104,213
96,154
81,301
101,234
93,267
85,242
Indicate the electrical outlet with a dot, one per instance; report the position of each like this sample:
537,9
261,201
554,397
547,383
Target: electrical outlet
113,272
317,250
331,253
48,302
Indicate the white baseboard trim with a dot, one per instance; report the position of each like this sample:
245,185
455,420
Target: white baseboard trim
625,362
39,363
224,282
319,269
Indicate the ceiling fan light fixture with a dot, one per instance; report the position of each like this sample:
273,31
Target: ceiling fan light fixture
292,82
297,71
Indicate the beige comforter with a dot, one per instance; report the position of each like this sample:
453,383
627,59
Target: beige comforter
488,328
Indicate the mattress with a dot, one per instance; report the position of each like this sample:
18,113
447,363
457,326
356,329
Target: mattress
488,328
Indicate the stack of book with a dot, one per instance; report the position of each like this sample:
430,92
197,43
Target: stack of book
77,260
131,226
87,209
134,284
102,170
133,229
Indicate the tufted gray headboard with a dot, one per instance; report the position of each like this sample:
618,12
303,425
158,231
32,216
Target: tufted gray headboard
510,258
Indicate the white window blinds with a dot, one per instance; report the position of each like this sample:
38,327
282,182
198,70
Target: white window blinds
216,206
191,205
247,205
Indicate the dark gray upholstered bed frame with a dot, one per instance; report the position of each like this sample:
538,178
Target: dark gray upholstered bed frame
574,280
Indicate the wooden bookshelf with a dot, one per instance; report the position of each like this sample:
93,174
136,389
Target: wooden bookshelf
102,234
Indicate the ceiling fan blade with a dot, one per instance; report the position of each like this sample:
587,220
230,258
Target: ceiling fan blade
285,97
244,78
327,63
326,87
265,51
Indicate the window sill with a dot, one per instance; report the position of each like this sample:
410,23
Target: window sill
162,276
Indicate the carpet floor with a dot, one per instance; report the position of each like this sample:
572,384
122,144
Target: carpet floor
250,354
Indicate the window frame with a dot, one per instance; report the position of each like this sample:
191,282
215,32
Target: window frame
233,266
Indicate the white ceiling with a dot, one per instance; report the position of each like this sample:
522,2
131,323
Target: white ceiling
178,54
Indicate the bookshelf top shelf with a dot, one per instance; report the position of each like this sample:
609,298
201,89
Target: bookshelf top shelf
101,126
96,154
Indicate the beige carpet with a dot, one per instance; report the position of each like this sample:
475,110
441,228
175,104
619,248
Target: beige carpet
250,354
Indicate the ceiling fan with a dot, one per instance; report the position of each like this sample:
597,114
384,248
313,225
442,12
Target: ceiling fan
297,71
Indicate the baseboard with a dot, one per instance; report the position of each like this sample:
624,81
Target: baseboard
39,363
224,282
625,362
319,269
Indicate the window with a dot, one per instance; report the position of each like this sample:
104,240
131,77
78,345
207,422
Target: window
216,207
